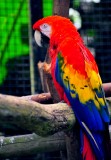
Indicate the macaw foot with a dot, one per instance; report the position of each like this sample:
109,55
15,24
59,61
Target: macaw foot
47,68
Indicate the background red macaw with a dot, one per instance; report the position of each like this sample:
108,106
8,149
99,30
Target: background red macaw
76,78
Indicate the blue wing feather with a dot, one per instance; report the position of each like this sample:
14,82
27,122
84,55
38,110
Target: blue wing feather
86,113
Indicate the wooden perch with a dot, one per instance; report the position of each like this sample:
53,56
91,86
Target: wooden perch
107,89
43,98
43,78
45,120
35,117
61,7
31,144
45,68
46,97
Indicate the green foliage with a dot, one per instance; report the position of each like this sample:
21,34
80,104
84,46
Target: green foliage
91,32
47,7
76,4
14,17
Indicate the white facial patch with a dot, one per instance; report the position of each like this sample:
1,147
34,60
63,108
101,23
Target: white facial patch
37,36
46,29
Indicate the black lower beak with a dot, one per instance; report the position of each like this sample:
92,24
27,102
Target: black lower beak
44,40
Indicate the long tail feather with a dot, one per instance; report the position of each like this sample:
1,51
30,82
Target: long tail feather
96,148
87,153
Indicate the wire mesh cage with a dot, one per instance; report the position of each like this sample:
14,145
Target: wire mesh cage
95,30
92,19
14,48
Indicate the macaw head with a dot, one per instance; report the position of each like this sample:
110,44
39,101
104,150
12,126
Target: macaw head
52,27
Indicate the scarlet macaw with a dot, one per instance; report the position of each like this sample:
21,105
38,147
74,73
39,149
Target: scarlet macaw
76,78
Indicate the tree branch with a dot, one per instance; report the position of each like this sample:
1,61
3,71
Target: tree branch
107,89
61,7
42,119
45,120
31,144
35,117
46,97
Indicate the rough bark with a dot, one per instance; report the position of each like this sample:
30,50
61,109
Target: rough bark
47,83
42,119
61,7
43,77
31,144
45,120
44,98
72,140
107,89
35,117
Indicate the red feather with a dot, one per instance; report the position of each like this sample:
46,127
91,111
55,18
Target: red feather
88,154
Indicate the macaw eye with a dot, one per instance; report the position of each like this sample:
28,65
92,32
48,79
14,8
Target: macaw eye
45,26
45,29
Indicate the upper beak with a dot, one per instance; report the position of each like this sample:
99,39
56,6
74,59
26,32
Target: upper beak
37,36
